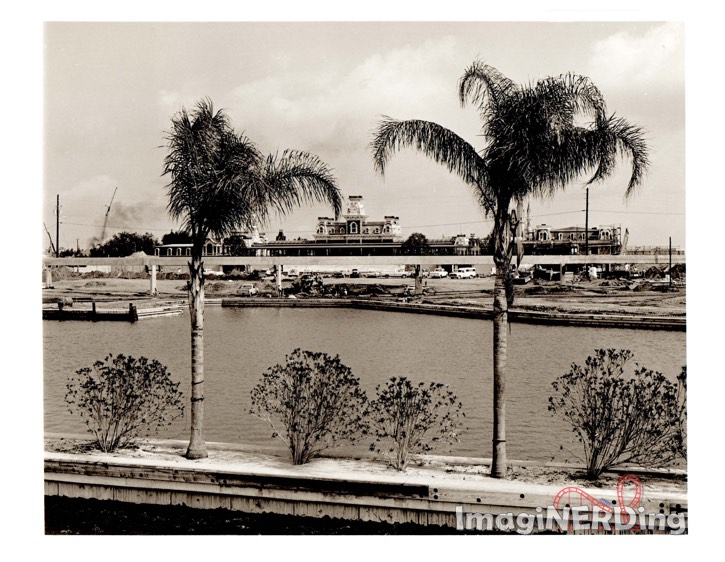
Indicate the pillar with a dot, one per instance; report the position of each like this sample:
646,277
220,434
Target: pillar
278,273
48,278
152,290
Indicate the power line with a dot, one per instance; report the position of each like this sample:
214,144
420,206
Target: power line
458,223
117,227
636,212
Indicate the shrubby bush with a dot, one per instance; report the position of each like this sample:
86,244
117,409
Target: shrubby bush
121,398
637,418
408,419
313,403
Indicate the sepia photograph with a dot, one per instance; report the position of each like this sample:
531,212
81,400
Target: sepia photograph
364,277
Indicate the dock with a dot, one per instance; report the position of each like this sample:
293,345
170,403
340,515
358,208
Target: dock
95,314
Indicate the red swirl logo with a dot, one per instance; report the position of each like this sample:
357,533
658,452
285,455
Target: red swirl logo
573,496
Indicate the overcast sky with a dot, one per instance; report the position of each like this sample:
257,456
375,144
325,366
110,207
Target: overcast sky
111,89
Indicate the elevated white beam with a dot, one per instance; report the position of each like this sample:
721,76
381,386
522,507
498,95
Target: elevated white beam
353,261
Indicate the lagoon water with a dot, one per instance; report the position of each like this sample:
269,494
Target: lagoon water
240,344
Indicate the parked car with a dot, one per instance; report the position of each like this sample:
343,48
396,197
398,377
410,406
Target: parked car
399,273
438,273
372,273
355,273
338,275
248,290
464,273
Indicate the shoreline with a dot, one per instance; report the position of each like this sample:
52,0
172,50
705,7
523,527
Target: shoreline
593,304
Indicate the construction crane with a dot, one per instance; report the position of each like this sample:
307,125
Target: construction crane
52,246
105,220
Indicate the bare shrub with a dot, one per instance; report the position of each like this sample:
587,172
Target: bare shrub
313,402
121,398
622,419
408,419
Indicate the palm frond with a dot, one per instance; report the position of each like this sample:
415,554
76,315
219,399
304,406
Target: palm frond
295,178
482,83
438,143
631,143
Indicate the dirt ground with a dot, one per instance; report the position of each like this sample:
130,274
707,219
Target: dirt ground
605,297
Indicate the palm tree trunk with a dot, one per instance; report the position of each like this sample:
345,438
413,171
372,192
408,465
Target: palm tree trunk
502,259
500,324
197,445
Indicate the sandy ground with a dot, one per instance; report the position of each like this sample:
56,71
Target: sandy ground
592,297
454,472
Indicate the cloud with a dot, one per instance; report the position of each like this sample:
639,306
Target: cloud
654,60
338,107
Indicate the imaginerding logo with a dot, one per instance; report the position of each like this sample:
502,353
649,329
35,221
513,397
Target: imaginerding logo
576,510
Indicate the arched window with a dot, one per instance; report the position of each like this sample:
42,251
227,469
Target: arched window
342,230
321,230
353,228
560,236
386,230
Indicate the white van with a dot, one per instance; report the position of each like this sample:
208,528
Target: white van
464,273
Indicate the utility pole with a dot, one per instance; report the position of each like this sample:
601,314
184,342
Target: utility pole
586,227
670,270
57,225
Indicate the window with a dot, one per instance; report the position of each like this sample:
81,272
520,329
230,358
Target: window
353,228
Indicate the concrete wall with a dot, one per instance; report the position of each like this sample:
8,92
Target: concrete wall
292,492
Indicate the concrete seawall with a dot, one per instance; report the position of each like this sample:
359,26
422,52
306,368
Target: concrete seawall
338,488
531,317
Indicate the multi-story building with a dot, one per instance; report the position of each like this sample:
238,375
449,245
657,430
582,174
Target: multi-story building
547,240
355,234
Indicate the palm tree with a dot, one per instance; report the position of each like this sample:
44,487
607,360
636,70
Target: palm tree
220,182
535,145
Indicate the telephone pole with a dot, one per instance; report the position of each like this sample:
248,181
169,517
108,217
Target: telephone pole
586,227
57,225
670,270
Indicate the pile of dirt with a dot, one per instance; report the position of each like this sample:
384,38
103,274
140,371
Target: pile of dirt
553,289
